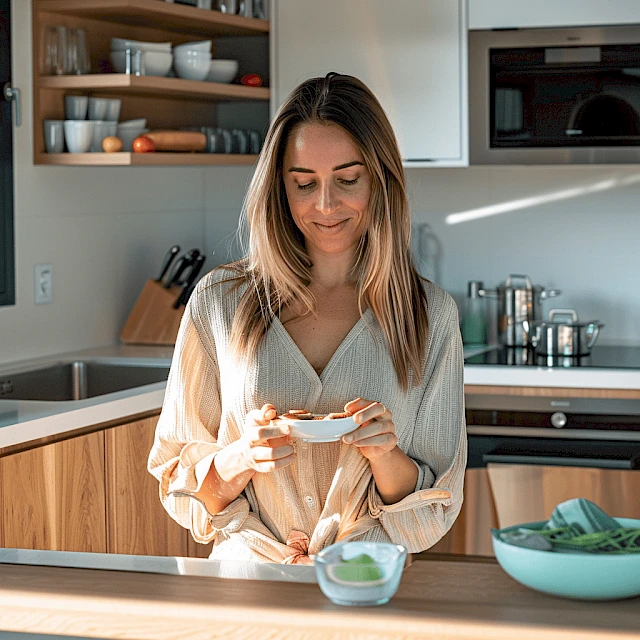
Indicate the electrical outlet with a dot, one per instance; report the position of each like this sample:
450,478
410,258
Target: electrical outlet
42,283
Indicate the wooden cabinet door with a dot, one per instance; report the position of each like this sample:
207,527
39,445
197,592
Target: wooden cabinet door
411,54
530,493
52,497
136,520
471,532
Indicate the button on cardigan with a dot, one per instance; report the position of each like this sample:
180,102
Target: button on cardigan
328,493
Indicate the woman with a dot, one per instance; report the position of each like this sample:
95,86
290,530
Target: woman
326,311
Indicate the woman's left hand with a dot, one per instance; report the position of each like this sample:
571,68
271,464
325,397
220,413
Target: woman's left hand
376,433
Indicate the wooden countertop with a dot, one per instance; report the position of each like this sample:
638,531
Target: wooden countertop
437,599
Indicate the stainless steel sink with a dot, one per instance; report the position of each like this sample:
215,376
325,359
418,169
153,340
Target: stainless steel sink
78,380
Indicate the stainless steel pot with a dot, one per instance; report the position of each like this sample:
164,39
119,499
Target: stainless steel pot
568,337
519,306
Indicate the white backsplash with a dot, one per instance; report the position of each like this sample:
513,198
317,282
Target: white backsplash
585,242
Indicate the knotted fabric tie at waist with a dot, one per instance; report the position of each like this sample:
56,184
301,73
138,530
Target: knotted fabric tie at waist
298,542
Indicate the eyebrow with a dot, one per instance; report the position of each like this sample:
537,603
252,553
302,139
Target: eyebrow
340,166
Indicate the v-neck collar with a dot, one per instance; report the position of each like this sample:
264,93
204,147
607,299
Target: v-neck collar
342,347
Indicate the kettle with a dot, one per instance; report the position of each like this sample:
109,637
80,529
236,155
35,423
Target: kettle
519,306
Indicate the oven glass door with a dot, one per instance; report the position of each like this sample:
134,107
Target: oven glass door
564,96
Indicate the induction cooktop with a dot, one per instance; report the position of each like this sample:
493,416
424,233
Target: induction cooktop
601,357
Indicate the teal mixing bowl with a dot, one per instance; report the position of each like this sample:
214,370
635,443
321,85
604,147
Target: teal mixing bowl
583,576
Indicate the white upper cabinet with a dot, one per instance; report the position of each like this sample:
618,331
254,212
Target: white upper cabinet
411,53
505,14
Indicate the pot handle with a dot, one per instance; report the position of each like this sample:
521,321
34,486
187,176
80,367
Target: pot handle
488,293
534,336
550,293
523,277
564,312
594,330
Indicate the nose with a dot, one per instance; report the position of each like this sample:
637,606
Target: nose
327,201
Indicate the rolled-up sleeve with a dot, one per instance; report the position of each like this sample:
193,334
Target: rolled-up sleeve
185,442
438,447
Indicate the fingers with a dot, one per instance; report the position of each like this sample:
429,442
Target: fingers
267,454
364,410
258,433
375,434
263,415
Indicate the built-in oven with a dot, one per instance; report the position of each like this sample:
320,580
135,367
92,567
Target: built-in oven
528,454
551,96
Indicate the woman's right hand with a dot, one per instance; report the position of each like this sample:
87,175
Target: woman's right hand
264,445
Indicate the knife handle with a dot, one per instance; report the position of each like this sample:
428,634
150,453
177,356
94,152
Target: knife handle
190,281
168,259
180,266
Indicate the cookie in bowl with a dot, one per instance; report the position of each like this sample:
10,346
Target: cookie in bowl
313,427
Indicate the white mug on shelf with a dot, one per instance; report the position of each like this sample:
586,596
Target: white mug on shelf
54,136
98,108
78,134
75,107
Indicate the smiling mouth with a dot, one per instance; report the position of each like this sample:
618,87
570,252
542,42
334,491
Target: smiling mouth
331,228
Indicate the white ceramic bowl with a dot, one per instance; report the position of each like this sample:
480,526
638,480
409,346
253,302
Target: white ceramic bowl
138,123
78,135
101,129
320,430
192,68
128,135
120,44
154,63
201,45
222,71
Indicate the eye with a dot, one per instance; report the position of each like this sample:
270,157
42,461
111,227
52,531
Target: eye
350,181
304,187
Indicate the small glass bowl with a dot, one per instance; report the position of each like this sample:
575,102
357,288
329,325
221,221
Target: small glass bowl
353,584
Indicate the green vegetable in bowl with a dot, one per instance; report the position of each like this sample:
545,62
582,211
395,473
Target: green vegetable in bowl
362,568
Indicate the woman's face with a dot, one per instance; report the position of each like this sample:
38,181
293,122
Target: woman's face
328,187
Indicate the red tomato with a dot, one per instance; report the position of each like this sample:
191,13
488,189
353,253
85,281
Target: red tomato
143,144
251,80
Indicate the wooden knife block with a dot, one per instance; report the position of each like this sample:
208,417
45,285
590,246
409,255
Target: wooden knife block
153,320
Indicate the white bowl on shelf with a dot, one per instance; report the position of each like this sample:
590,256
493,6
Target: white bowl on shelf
138,123
154,63
120,44
201,45
128,135
223,71
192,68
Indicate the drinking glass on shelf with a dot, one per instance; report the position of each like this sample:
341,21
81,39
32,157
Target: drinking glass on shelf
63,50
49,52
79,61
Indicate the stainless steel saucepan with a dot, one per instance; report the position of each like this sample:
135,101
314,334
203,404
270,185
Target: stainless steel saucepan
519,305
564,335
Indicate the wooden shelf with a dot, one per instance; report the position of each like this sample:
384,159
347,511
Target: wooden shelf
160,14
124,84
127,159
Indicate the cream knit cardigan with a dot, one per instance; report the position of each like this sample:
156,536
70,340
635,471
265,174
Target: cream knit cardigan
328,494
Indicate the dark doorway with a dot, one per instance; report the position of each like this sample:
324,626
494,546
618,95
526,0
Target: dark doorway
7,268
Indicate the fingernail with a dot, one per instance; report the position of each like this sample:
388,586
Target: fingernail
348,438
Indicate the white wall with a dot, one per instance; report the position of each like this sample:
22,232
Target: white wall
104,230
586,242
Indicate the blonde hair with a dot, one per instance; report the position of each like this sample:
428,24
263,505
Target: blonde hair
277,268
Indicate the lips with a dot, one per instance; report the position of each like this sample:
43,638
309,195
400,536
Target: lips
331,227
